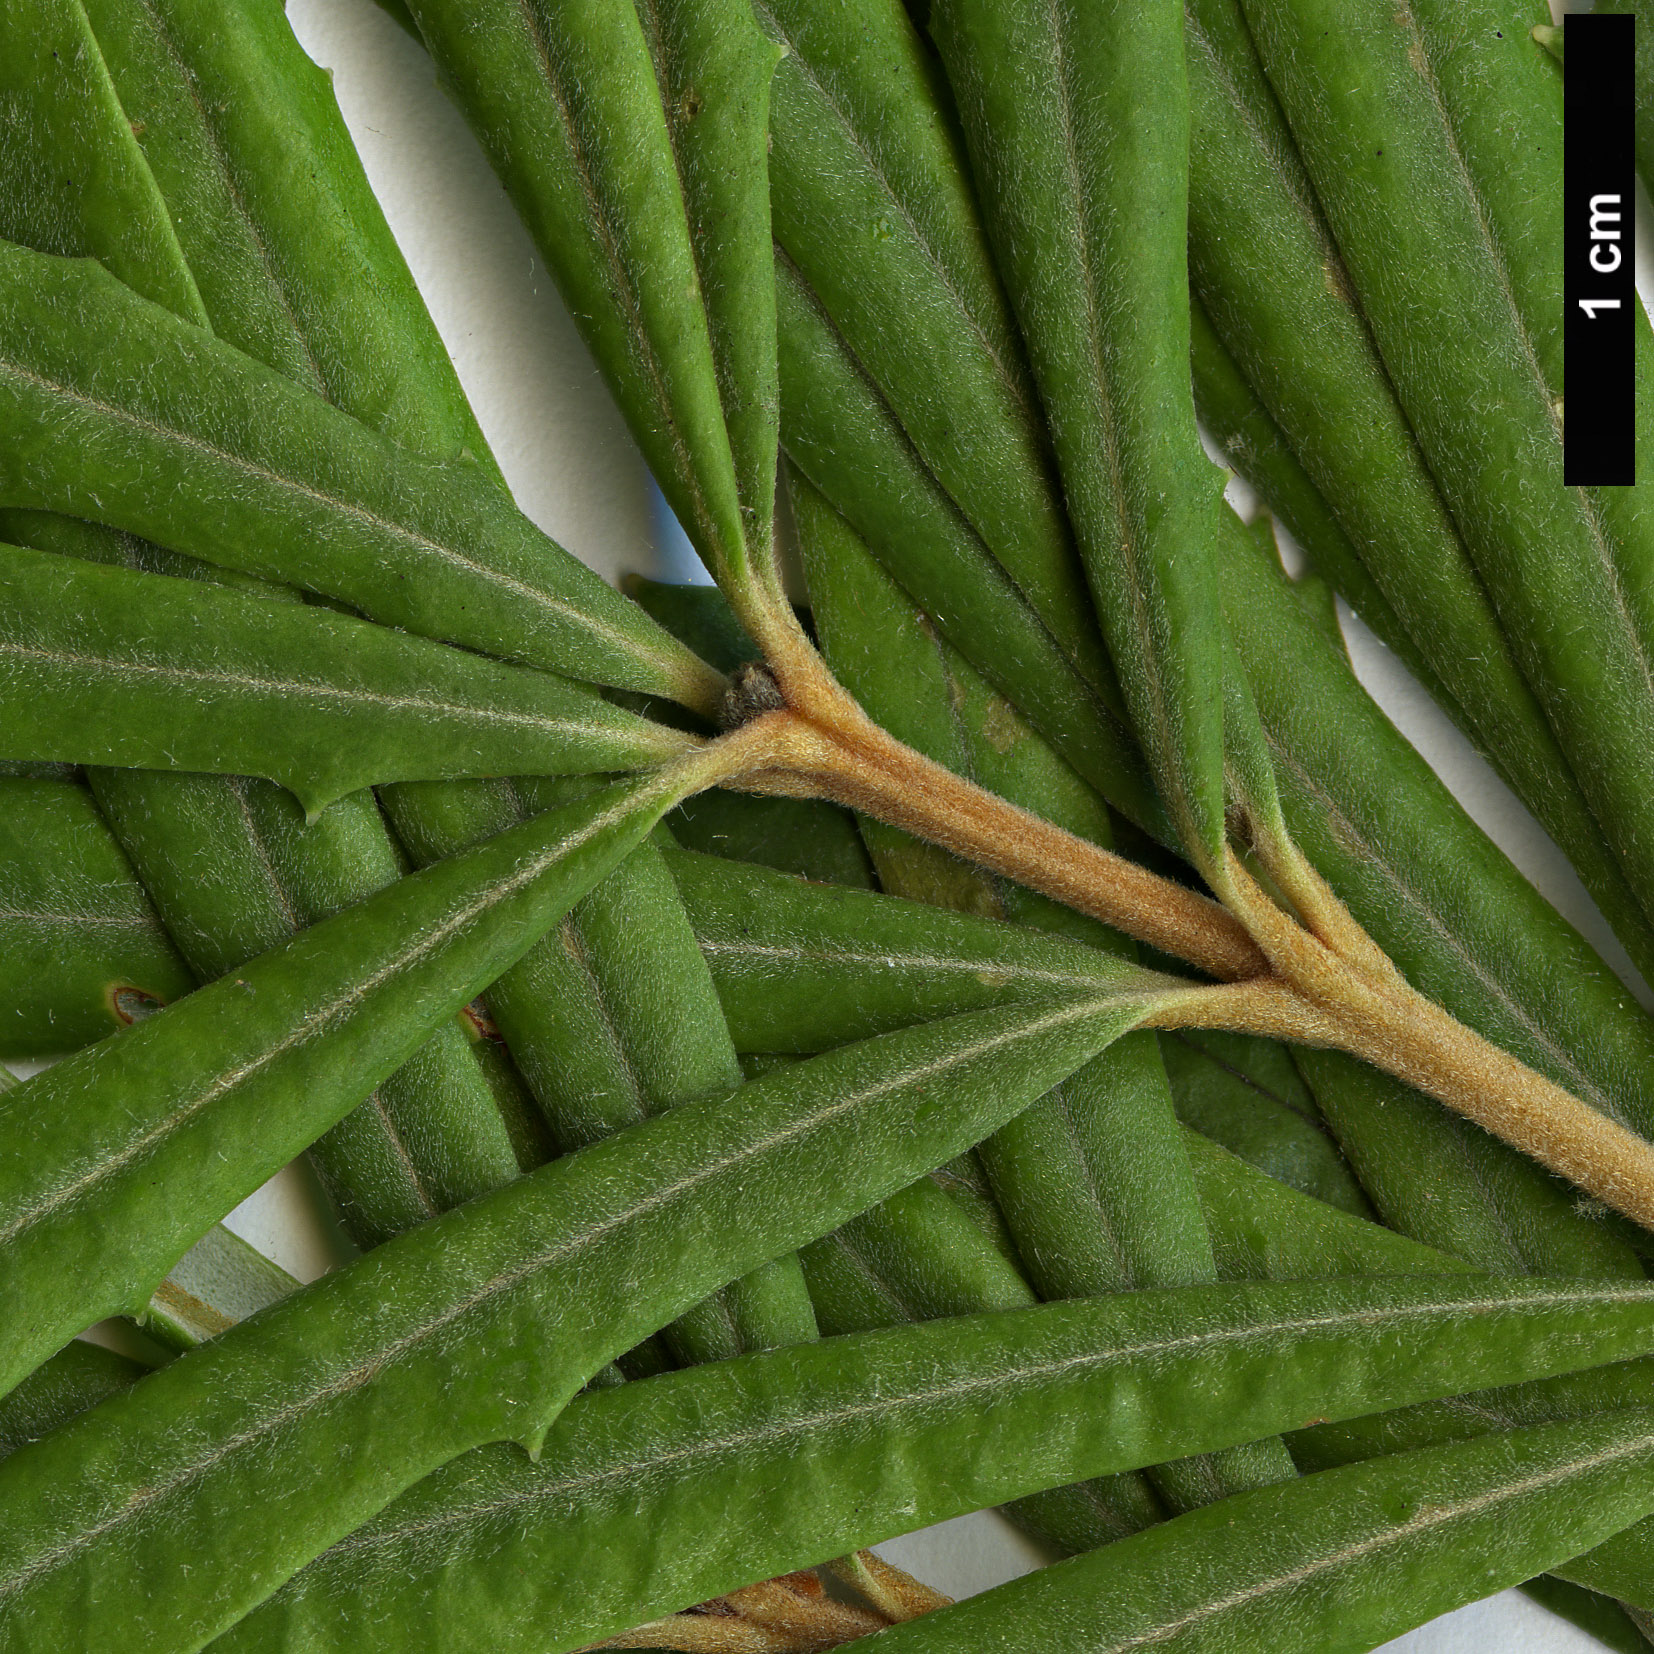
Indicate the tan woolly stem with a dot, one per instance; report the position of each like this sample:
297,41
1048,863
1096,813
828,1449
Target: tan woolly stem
1319,996
790,1615
867,770
1314,978
1420,1043
1265,1006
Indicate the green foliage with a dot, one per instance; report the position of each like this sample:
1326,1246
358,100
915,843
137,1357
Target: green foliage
81,950
503,1308
658,1495
206,680
1343,1560
187,442
178,1118
781,1082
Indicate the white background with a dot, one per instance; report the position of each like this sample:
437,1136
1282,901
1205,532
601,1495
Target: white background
575,471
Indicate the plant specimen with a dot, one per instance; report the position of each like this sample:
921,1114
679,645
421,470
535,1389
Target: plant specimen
718,1223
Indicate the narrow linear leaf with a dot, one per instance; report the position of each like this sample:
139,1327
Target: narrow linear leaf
841,434
1433,135
82,952
1465,928
801,967
1093,1179
1264,1230
886,1431
1077,126
606,158
273,214
1362,824
64,116
480,1325
78,1377
1597,1616
106,666
1245,1093
171,435
865,155
1621,1565
1255,446
1463,1191
1277,290
237,869
714,68
268,201
927,1252
599,1057
174,1121
1332,1563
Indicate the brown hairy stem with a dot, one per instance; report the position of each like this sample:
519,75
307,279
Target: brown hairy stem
1418,1042
1397,1029
873,773
792,1614
888,1589
1312,976
1265,1006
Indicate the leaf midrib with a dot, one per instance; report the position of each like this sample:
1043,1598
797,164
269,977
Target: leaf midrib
923,1396
371,1365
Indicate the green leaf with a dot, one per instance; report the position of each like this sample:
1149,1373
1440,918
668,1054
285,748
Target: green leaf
79,1376
297,266
105,666
1093,1180
67,124
631,139
843,437
1622,1565
1433,137
1077,125
272,212
480,1325
1263,1230
1276,289
1465,928
1449,1184
1378,825
81,950
237,869
599,1055
659,1495
1597,1616
813,839
865,156
1245,1093
1340,1561
188,443
713,68
922,1255
801,967
118,1158
914,1257
697,616
1256,447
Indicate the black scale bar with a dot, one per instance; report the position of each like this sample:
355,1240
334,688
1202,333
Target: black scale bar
1598,284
